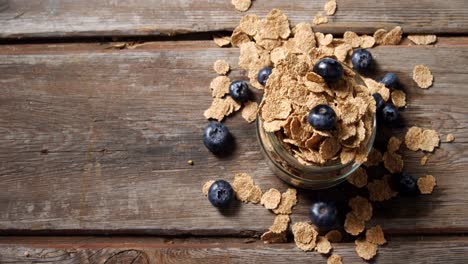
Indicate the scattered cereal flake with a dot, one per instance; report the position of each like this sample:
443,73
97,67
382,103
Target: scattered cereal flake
342,51
375,235
288,201
393,162
361,208
221,107
392,37
245,189
365,249
270,237
221,67
430,140
422,76
367,42
352,39
398,98
413,138
206,187
358,178
353,225
334,236
238,37
376,87
424,160
426,184
248,24
450,138
323,40
380,190
241,5
335,259
271,199
394,144
304,235
374,158
280,224
219,86
330,7
222,41
323,245
423,39
320,19
249,112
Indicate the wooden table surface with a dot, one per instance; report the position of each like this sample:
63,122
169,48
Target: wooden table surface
95,140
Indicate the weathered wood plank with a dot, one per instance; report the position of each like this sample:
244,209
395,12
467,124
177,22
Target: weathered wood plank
97,140
448,250
23,18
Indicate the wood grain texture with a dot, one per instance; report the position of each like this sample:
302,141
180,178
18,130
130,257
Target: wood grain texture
24,18
153,250
96,140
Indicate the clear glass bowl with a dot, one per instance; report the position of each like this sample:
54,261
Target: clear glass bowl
290,170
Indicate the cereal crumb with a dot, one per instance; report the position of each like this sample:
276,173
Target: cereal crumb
423,39
249,112
335,259
358,178
334,236
323,245
304,235
206,187
222,41
380,190
422,75
280,224
221,67
353,225
365,249
375,235
270,237
190,162
450,138
288,201
361,208
320,19
424,160
330,7
426,184
271,199
398,98
241,5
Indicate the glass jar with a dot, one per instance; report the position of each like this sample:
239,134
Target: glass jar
290,170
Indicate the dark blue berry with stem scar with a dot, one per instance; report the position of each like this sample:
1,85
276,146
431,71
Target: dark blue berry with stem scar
330,69
324,215
390,80
379,102
220,193
390,114
217,138
361,60
263,75
406,184
322,117
239,91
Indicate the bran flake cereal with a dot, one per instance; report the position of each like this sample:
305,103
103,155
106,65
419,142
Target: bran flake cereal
426,184
365,249
430,140
392,37
393,162
238,37
320,19
330,7
288,201
398,98
245,189
450,138
393,144
248,24
422,75
358,178
423,39
219,86
322,39
249,112
221,107
271,199
424,160
375,235
413,138
270,237
280,224
222,41
221,67
206,187
361,208
353,225
323,245
424,139
380,190
241,5
335,259
334,236
374,158
304,236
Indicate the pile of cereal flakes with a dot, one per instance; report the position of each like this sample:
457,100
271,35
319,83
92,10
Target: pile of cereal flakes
291,91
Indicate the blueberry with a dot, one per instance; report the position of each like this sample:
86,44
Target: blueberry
390,80
324,215
406,184
220,193
322,117
217,138
362,60
330,69
379,102
263,75
389,114
239,91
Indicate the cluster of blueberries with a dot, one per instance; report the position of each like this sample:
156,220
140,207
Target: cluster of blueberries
324,215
